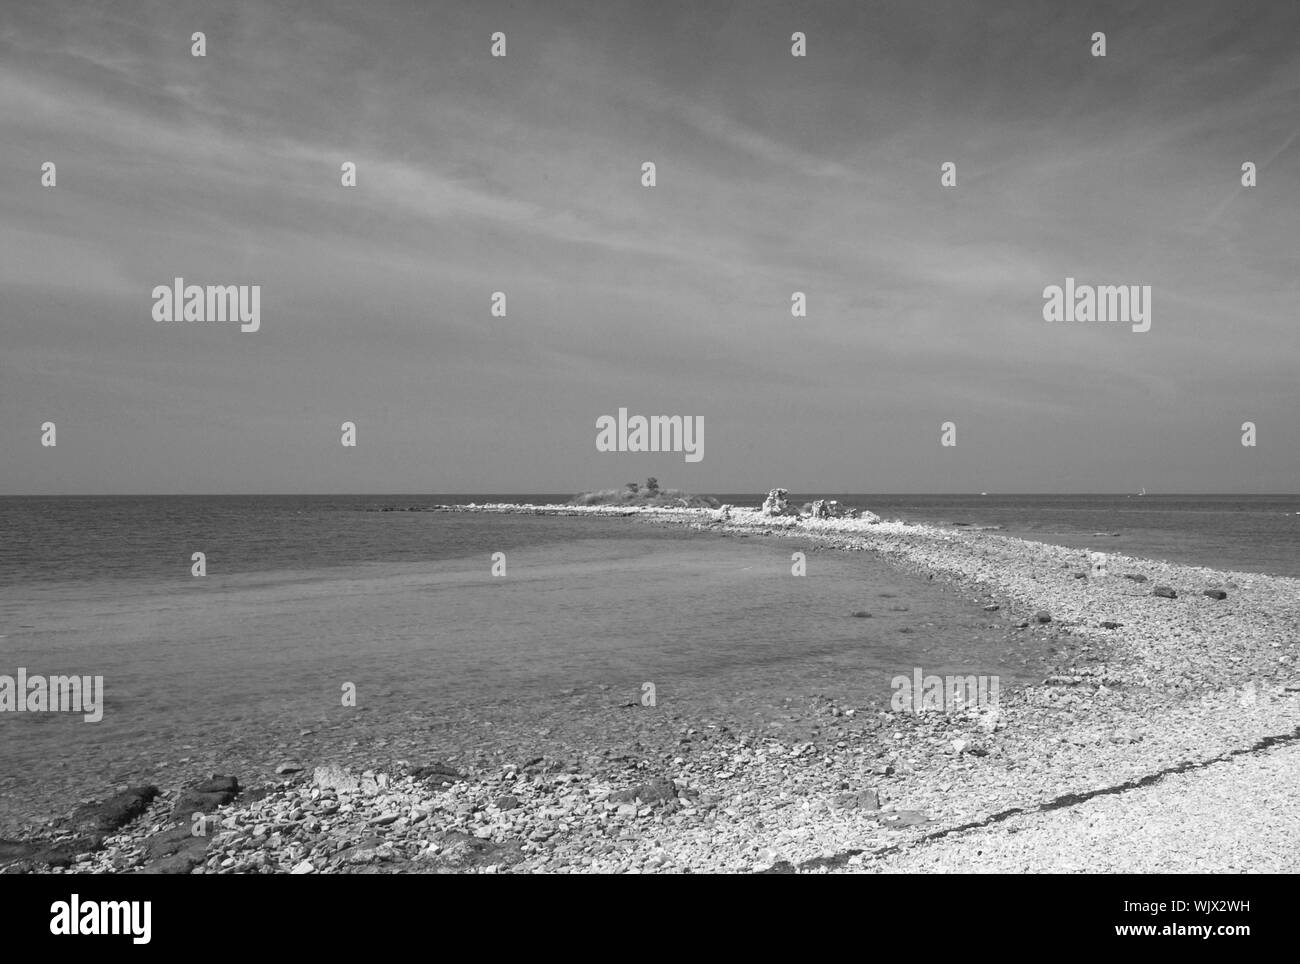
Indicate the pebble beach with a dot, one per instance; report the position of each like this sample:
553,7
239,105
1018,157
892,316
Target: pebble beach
1162,737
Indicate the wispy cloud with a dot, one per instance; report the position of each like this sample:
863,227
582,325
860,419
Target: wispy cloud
523,176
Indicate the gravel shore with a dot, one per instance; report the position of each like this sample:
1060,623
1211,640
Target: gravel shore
1165,739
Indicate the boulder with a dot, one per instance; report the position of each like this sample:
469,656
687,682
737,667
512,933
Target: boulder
776,503
1165,592
178,863
64,853
115,812
439,773
168,843
176,851
193,801
336,778
833,509
219,784
1216,594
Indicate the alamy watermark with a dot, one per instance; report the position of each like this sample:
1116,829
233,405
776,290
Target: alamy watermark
919,692
75,916
658,433
53,694
181,302
1127,304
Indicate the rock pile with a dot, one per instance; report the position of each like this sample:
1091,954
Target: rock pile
831,509
776,503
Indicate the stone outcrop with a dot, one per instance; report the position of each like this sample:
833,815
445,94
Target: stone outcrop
832,509
206,797
115,812
776,503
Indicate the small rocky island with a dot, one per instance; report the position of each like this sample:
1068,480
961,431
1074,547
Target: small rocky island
647,494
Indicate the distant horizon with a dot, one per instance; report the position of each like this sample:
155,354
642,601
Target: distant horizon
570,494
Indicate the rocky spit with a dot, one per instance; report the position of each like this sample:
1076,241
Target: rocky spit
1166,738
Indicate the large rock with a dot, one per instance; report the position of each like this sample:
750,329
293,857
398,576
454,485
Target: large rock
776,503
115,812
437,773
192,802
64,853
833,509
181,862
219,784
206,797
20,850
336,778
168,843
179,850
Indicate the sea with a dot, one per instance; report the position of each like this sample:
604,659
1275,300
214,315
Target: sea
451,624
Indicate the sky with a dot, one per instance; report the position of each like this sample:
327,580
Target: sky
774,174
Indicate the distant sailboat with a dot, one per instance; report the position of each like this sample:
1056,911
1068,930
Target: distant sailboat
1144,491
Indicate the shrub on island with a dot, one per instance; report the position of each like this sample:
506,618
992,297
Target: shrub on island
635,495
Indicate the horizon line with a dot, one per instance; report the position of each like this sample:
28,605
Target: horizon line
763,492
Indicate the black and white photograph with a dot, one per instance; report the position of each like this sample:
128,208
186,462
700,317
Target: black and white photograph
611,437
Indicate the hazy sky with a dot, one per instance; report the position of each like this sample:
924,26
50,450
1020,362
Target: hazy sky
775,174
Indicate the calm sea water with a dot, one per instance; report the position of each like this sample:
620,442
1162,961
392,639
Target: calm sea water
303,594
151,537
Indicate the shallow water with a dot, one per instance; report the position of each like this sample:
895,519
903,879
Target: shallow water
719,625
